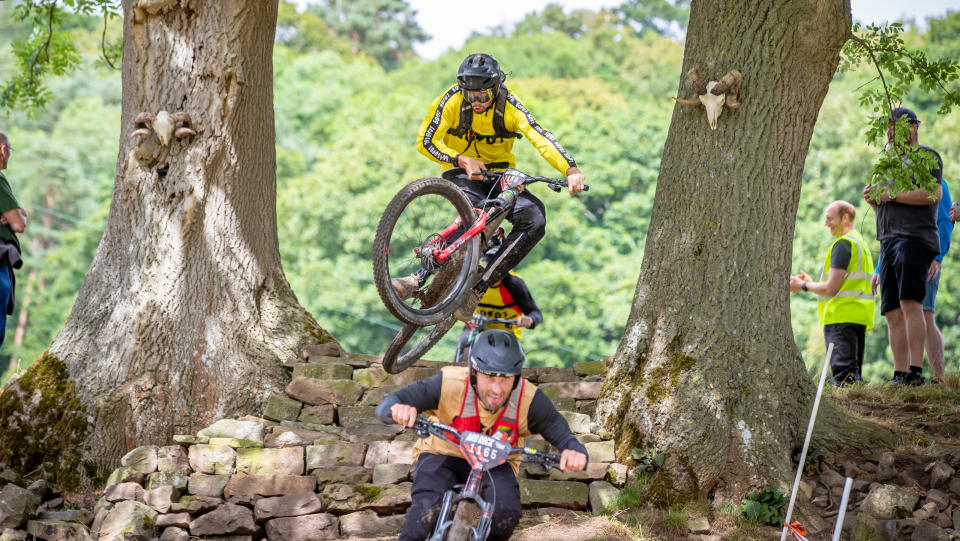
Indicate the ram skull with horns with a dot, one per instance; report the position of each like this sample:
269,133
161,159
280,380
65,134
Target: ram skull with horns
715,95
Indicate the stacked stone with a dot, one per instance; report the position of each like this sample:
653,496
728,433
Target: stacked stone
18,505
318,464
900,497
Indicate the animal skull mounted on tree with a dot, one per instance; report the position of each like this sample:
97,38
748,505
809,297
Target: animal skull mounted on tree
715,95
163,125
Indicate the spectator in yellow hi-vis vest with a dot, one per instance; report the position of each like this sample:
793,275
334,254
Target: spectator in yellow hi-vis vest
845,302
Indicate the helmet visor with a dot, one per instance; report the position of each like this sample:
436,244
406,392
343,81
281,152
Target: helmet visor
478,96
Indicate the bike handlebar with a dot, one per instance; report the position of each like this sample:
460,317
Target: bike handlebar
555,184
424,428
481,321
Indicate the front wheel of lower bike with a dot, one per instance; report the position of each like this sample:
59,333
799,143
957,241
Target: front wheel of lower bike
413,286
396,360
461,529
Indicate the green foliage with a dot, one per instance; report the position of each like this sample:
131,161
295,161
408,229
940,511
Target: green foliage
900,70
345,146
814,461
632,495
765,507
648,459
655,16
676,518
50,49
553,19
44,424
384,29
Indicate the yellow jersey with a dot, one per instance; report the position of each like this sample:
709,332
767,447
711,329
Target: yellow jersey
434,141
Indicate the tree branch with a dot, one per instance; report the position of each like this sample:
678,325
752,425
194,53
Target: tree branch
46,44
103,41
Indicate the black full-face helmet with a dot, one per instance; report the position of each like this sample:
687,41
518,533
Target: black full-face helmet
498,353
479,71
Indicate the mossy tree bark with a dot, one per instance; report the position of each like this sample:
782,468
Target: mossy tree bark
707,368
185,315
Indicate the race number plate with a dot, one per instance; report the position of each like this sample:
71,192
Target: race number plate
483,451
511,179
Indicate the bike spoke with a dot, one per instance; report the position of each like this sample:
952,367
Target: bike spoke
418,229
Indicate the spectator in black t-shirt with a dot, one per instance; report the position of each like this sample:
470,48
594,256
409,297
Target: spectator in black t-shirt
909,242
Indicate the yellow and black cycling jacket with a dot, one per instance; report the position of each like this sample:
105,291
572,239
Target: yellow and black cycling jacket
434,142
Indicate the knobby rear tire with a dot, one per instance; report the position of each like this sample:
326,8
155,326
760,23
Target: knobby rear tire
466,265
394,362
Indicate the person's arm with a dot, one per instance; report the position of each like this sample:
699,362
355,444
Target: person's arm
944,223
544,419
839,260
521,295
442,115
823,289
541,138
16,219
918,197
868,198
421,396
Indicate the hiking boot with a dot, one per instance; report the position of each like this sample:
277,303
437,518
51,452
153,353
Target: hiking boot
407,286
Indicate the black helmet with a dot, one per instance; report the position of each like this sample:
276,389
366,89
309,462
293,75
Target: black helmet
479,71
497,352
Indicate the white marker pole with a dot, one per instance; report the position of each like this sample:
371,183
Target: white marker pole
843,508
806,442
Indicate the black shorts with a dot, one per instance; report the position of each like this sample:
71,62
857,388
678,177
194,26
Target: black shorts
904,264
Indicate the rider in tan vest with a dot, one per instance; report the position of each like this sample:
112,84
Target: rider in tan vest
490,397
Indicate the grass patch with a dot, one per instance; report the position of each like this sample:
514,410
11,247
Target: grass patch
675,519
922,416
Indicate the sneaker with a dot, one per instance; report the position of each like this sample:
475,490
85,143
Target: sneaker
912,378
407,286
907,378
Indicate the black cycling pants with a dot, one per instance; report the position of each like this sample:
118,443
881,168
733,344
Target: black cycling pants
435,474
528,217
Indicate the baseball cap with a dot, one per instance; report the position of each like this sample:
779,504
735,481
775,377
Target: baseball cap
903,111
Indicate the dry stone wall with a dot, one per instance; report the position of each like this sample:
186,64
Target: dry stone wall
316,464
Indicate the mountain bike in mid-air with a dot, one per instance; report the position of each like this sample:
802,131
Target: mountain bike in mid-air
483,453
431,230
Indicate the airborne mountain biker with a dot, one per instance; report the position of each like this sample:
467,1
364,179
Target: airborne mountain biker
488,396
473,126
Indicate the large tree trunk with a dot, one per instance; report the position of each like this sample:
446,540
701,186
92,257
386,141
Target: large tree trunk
707,368
185,315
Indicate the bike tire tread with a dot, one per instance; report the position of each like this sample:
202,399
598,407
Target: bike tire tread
389,218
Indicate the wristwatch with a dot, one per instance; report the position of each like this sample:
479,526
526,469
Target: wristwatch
803,286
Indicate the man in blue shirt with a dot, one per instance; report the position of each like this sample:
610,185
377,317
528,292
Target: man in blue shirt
933,341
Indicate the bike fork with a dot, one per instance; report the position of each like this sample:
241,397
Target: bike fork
443,518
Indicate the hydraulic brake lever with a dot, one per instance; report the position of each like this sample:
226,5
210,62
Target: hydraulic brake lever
557,188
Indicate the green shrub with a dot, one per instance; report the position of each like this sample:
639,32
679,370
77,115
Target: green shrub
764,507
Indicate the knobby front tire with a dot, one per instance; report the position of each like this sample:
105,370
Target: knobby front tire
459,531
394,362
467,512
416,214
